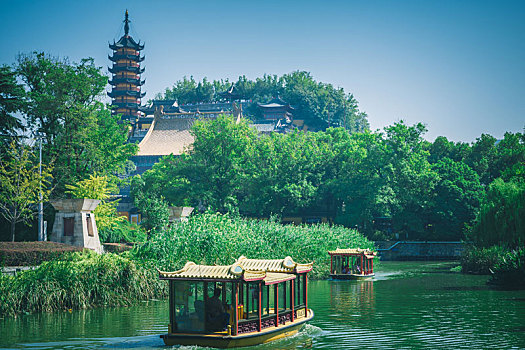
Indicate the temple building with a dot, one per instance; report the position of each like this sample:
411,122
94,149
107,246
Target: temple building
126,83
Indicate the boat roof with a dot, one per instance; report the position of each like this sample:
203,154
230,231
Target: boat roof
286,265
235,272
367,252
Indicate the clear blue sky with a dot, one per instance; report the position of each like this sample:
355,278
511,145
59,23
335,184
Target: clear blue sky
457,66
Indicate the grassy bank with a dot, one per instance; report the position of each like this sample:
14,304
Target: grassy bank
220,239
77,281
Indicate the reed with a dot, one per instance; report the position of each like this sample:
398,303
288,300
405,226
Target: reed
220,239
77,281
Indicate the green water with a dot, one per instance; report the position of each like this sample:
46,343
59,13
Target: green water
408,306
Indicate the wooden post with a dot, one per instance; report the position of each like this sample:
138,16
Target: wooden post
172,307
236,310
331,264
260,307
372,265
292,282
362,264
306,294
276,302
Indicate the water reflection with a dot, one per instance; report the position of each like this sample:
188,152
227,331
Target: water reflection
352,296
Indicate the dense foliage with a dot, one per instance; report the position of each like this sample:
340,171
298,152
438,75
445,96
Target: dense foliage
481,260
221,239
22,184
501,219
60,101
79,280
510,271
422,190
311,99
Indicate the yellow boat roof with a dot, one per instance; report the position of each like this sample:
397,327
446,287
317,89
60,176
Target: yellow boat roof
286,265
367,252
235,272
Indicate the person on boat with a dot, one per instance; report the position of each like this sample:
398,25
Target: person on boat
346,269
217,316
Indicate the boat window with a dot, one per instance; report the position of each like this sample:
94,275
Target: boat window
298,289
249,300
189,306
282,297
265,297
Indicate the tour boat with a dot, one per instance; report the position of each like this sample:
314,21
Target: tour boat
250,302
351,264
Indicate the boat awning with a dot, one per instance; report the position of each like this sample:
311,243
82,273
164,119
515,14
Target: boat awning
286,265
235,272
366,252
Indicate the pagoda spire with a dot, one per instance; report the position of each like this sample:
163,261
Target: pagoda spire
126,24
126,70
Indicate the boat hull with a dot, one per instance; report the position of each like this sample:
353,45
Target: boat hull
352,277
232,341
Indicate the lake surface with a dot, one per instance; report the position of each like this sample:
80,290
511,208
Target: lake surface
410,305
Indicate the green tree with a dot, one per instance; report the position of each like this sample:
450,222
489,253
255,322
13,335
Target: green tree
21,185
154,209
455,201
501,220
11,101
218,160
81,135
408,178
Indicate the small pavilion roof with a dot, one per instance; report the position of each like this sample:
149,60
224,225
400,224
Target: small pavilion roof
286,265
367,252
235,272
276,102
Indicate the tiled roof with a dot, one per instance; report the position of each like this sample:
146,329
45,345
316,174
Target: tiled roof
167,136
225,272
367,252
286,265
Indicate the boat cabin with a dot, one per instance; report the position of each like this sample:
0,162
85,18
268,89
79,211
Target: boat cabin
351,263
247,303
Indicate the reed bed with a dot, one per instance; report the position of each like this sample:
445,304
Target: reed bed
84,280
77,281
221,239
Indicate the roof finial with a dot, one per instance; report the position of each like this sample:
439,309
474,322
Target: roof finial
126,24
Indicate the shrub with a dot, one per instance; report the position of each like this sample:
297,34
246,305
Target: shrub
510,271
122,232
481,260
32,253
221,239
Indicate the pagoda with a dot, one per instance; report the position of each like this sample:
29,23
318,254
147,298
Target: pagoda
126,92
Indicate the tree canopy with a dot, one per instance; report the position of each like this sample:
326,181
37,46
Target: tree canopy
311,99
